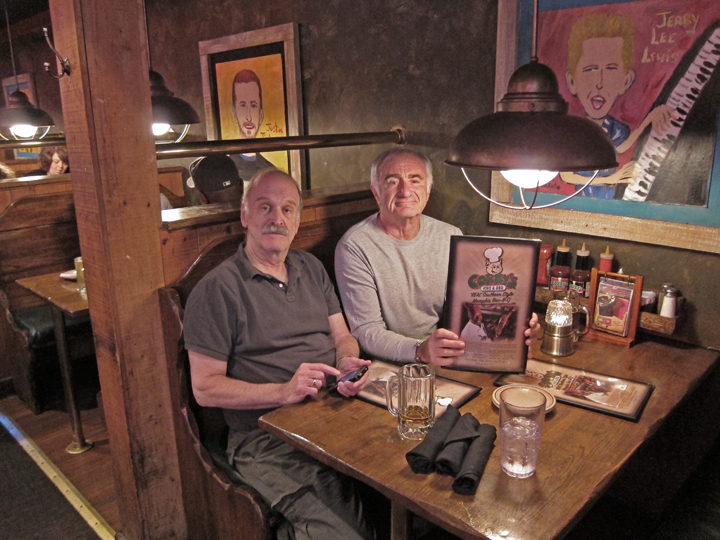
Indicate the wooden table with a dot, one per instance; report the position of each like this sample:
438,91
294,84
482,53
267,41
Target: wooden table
63,297
580,454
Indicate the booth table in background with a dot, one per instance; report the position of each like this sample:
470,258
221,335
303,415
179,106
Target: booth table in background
63,297
581,451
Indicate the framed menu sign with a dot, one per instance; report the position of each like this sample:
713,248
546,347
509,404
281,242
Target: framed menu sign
490,291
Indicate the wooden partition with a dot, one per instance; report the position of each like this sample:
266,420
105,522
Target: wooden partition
12,190
170,178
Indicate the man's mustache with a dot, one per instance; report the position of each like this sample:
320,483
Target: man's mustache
275,229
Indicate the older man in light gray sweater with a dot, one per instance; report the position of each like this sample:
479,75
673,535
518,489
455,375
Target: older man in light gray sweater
391,268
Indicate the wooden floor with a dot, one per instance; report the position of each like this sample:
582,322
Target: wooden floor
90,472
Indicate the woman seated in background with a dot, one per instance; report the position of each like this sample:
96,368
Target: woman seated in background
44,162
59,163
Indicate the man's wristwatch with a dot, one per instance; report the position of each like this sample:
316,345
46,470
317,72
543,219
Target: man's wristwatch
417,349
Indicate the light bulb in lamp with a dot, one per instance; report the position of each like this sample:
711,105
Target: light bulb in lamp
160,129
527,178
23,131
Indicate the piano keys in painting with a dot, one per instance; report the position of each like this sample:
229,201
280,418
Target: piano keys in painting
674,167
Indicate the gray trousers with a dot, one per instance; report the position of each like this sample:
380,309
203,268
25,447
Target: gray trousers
318,502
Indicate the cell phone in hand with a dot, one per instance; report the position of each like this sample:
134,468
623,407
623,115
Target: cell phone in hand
350,377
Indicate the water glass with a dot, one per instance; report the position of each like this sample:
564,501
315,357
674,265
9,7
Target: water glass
522,415
80,271
414,386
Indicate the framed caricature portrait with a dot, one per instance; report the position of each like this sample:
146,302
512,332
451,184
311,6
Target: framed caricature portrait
251,89
490,290
659,103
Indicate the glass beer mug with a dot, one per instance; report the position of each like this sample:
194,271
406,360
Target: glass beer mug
414,386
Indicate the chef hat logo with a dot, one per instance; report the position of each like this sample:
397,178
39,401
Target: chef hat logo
493,256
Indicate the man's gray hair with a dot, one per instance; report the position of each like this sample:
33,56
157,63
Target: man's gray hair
398,151
259,176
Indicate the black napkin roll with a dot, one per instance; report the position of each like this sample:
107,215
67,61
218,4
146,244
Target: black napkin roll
421,458
462,434
473,466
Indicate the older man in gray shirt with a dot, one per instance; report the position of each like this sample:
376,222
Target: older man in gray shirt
391,268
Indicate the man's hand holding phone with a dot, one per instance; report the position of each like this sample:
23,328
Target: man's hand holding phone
354,378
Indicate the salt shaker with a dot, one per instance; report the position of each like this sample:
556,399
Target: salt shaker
669,303
661,296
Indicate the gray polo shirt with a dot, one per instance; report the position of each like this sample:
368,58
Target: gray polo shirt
261,327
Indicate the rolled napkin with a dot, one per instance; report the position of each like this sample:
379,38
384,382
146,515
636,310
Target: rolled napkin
457,442
471,470
422,458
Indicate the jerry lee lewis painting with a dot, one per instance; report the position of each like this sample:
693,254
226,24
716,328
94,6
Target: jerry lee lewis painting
491,286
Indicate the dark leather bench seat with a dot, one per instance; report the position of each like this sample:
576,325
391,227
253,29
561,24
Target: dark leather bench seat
38,322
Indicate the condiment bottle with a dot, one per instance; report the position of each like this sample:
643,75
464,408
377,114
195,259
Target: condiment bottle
560,272
546,251
606,261
669,302
580,277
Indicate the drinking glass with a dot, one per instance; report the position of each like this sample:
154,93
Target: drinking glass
414,386
80,271
522,415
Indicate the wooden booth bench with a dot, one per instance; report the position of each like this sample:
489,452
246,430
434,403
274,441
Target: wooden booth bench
217,503
38,235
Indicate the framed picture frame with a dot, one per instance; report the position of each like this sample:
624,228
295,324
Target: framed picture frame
659,57
266,62
614,306
447,391
623,398
490,291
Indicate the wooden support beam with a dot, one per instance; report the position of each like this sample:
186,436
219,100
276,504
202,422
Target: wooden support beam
107,113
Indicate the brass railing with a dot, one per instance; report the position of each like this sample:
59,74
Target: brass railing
239,146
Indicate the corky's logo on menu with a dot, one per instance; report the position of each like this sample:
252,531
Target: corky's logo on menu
494,279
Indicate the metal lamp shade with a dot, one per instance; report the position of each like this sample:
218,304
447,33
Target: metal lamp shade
549,141
19,110
532,130
172,110
166,108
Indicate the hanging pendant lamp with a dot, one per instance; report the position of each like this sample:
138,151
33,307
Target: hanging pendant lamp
19,116
531,137
168,110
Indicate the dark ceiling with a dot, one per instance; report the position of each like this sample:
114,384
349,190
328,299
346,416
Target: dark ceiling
19,10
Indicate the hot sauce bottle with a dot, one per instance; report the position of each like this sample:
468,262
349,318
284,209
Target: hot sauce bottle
580,277
606,261
560,271
546,251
